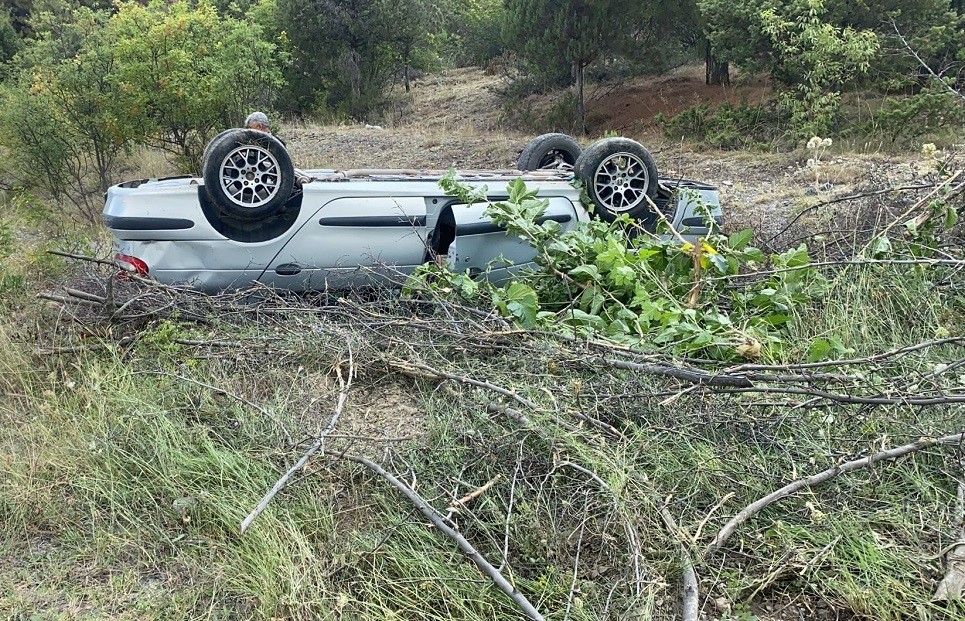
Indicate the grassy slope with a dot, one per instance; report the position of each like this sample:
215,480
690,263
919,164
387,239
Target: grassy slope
125,481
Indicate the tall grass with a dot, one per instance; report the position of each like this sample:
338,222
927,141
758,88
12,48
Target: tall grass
124,475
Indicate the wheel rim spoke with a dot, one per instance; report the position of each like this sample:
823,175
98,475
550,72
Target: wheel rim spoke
250,176
621,181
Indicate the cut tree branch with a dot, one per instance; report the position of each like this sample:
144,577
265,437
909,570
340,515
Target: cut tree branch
439,522
689,375
823,477
921,62
344,385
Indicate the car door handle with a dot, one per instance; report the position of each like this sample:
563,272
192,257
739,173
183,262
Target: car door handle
288,269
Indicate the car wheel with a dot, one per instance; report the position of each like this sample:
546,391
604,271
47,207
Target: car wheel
620,177
248,174
549,151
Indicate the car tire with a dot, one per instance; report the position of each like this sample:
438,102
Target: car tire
248,174
211,143
620,177
549,151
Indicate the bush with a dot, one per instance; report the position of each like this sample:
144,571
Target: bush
728,126
903,120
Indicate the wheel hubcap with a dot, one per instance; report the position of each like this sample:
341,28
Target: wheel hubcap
621,182
250,176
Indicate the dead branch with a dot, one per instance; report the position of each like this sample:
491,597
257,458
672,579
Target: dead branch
907,400
457,504
690,604
695,376
956,263
921,62
924,201
84,295
73,349
80,257
842,199
344,386
65,301
952,585
635,552
576,562
408,367
439,522
823,477
894,353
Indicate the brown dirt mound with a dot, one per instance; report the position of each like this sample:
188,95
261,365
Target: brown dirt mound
633,106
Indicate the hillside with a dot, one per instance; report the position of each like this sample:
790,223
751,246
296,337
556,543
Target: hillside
453,119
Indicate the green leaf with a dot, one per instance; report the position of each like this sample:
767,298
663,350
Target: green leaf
819,350
951,217
740,239
623,276
797,257
590,271
754,254
881,246
522,303
576,316
720,263
912,227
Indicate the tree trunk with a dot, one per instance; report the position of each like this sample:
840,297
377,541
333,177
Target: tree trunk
717,72
580,104
405,68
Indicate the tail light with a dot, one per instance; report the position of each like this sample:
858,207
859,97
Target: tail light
131,264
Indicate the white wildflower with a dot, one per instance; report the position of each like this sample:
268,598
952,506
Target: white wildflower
814,143
827,142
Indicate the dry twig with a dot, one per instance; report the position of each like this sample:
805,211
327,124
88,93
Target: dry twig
823,477
344,385
439,522
952,586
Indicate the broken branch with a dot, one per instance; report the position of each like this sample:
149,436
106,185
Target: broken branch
319,443
823,477
439,522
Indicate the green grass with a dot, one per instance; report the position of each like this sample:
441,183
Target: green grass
123,479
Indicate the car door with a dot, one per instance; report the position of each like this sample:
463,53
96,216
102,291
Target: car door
481,247
353,241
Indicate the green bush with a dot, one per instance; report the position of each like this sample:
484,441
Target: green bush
728,126
903,120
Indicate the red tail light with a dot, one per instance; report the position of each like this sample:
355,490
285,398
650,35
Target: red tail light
131,264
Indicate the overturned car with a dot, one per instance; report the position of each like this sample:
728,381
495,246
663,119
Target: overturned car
254,218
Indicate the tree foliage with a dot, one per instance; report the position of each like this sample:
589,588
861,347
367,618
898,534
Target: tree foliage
821,59
10,42
344,53
187,71
559,40
65,118
90,85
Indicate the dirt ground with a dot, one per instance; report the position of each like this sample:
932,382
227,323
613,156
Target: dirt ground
453,120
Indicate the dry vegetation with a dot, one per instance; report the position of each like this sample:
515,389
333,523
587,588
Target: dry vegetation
142,424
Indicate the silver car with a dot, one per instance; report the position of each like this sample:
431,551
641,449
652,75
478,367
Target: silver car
253,217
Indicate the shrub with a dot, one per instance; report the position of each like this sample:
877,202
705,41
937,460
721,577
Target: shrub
728,126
